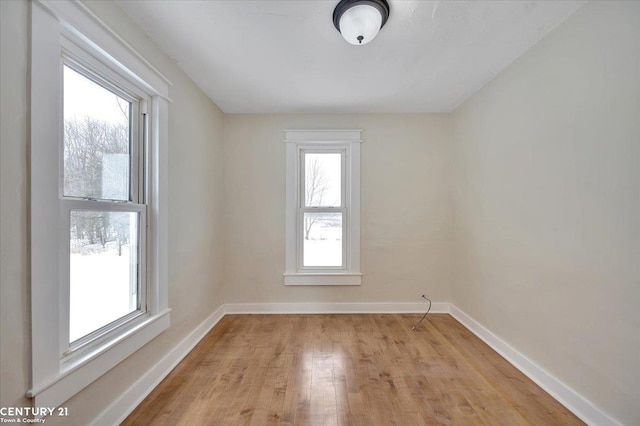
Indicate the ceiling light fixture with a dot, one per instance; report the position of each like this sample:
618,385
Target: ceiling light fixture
359,21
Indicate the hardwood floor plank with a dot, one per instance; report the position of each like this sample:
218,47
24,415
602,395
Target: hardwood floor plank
346,370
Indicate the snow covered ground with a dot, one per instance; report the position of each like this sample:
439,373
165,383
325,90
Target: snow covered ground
322,252
324,246
100,289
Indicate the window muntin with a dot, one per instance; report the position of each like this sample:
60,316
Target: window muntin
101,197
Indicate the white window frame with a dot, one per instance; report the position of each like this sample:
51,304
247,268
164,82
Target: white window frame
66,32
342,208
299,142
84,64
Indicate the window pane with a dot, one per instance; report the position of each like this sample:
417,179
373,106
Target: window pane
323,179
322,244
96,140
103,269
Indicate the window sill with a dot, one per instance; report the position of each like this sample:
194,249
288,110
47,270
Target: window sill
322,278
77,374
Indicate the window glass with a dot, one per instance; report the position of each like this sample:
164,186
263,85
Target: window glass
322,179
103,269
96,140
322,239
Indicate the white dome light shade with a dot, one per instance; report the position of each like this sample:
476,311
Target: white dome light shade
360,24
359,21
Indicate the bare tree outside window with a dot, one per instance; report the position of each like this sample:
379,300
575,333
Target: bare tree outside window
86,143
322,218
316,187
90,148
322,187
99,148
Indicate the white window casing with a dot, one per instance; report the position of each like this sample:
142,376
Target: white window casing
67,32
347,143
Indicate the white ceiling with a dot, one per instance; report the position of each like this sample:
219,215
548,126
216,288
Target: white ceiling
286,56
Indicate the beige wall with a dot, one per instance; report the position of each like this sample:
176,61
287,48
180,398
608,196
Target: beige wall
547,203
406,209
14,277
195,216
534,231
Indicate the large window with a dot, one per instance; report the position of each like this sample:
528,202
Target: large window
103,198
98,204
323,201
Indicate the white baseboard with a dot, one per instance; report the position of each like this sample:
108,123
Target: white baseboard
335,308
132,397
572,400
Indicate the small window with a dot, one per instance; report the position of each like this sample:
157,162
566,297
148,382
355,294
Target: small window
322,210
323,205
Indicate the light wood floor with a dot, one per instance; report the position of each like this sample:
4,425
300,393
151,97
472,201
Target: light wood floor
346,370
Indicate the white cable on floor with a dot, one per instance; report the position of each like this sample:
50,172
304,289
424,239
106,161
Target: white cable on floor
425,314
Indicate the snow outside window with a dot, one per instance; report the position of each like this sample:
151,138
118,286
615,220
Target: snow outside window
323,207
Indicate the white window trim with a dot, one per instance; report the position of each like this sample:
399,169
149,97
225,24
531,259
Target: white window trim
54,23
297,141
